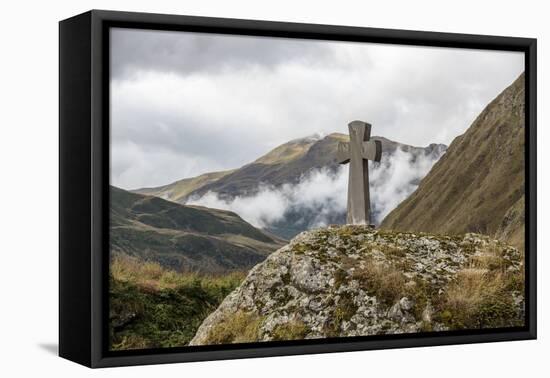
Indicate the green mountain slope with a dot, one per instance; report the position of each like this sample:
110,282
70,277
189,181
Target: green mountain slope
479,184
185,238
152,307
179,190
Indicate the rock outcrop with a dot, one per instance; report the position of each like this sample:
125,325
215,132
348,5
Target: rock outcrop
355,281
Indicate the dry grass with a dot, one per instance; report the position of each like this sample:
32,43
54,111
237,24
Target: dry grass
481,296
239,327
494,257
470,288
152,307
385,282
478,180
479,299
152,276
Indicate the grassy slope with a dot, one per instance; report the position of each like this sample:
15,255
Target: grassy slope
287,152
185,238
179,190
479,179
151,307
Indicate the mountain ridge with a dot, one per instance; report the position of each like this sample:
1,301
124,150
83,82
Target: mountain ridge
266,169
185,238
478,180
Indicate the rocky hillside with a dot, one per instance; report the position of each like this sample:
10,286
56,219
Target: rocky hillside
479,184
185,238
354,281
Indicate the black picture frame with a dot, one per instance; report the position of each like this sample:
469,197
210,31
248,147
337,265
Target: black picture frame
84,186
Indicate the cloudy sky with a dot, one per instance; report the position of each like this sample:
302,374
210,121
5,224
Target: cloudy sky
183,104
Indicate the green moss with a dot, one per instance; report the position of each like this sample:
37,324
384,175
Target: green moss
301,248
340,276
322,257
344,311
293,330
286,278
497,311
421,294
446,317
282,296
515,282
345,232
346,307
426,327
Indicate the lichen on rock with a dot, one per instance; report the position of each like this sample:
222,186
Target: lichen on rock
357,281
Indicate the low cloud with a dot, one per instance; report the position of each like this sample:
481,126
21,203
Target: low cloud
320,197
394,179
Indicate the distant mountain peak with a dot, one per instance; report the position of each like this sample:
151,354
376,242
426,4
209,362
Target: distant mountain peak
310,138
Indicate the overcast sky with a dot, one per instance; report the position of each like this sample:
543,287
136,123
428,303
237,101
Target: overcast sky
183,104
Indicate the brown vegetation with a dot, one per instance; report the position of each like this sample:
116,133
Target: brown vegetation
239,327
479,180
153,307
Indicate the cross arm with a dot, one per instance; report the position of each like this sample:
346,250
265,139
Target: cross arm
343,153
372,150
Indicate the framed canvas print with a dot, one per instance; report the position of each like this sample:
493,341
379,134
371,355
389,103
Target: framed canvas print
234,188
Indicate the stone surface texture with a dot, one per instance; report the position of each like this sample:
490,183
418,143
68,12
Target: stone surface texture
356,281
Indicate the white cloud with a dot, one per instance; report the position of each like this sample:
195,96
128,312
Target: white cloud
396,178
222,117
319,189
323,193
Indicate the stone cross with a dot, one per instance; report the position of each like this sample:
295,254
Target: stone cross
358,151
